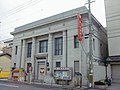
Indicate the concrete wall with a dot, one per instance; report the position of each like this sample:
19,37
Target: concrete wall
99,72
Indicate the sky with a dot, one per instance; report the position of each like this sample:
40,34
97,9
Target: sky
15,13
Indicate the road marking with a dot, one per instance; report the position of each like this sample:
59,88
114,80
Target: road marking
8,85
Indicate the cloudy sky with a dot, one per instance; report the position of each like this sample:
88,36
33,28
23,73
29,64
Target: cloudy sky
14,13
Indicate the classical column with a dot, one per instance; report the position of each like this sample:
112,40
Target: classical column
50,61
33,54
23,55
64,63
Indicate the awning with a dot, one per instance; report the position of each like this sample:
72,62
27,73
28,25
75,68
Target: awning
18,70
15,70
113,59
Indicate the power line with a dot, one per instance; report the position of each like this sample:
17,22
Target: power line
73,24
68,39
23,7
82,47
75,27
82,36
14,9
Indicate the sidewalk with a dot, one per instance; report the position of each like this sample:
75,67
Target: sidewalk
64,87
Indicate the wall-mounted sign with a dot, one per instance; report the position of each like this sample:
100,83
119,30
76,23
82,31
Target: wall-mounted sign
63,73
41,70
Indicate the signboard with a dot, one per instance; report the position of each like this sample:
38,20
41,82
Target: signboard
41,70
63,73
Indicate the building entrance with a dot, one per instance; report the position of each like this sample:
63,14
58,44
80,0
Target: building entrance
41,70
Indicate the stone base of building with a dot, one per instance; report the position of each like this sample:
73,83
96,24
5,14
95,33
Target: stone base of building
49,79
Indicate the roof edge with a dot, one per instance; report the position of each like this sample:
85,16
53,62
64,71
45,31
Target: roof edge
51,19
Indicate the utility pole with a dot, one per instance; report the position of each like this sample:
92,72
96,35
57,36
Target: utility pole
90,73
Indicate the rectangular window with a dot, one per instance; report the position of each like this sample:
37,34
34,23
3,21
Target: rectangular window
29,48
43,46
76,42
16,49
93,44
58,46
58,64
76,66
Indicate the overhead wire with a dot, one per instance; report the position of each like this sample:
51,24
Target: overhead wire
75,27
81,44
83,35
68,39
83,48
22,7
66,26
14,9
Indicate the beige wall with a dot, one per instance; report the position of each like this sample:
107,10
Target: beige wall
5,62
7,50
1,45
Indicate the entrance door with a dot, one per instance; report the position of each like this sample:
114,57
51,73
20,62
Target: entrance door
41,70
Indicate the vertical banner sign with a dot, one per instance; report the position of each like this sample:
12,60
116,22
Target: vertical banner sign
79,19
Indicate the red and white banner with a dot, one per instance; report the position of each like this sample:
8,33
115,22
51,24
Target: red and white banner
79,19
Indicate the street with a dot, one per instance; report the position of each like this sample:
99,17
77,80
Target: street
15,86
10,85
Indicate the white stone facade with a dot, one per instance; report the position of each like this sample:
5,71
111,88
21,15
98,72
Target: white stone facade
63,26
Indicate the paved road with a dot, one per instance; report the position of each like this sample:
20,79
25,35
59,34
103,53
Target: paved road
8,85
14,86
114,86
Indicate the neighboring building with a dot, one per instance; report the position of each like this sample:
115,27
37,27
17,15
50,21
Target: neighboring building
7,46
8,42
112,8
52,42
5,62
1,46
5,65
